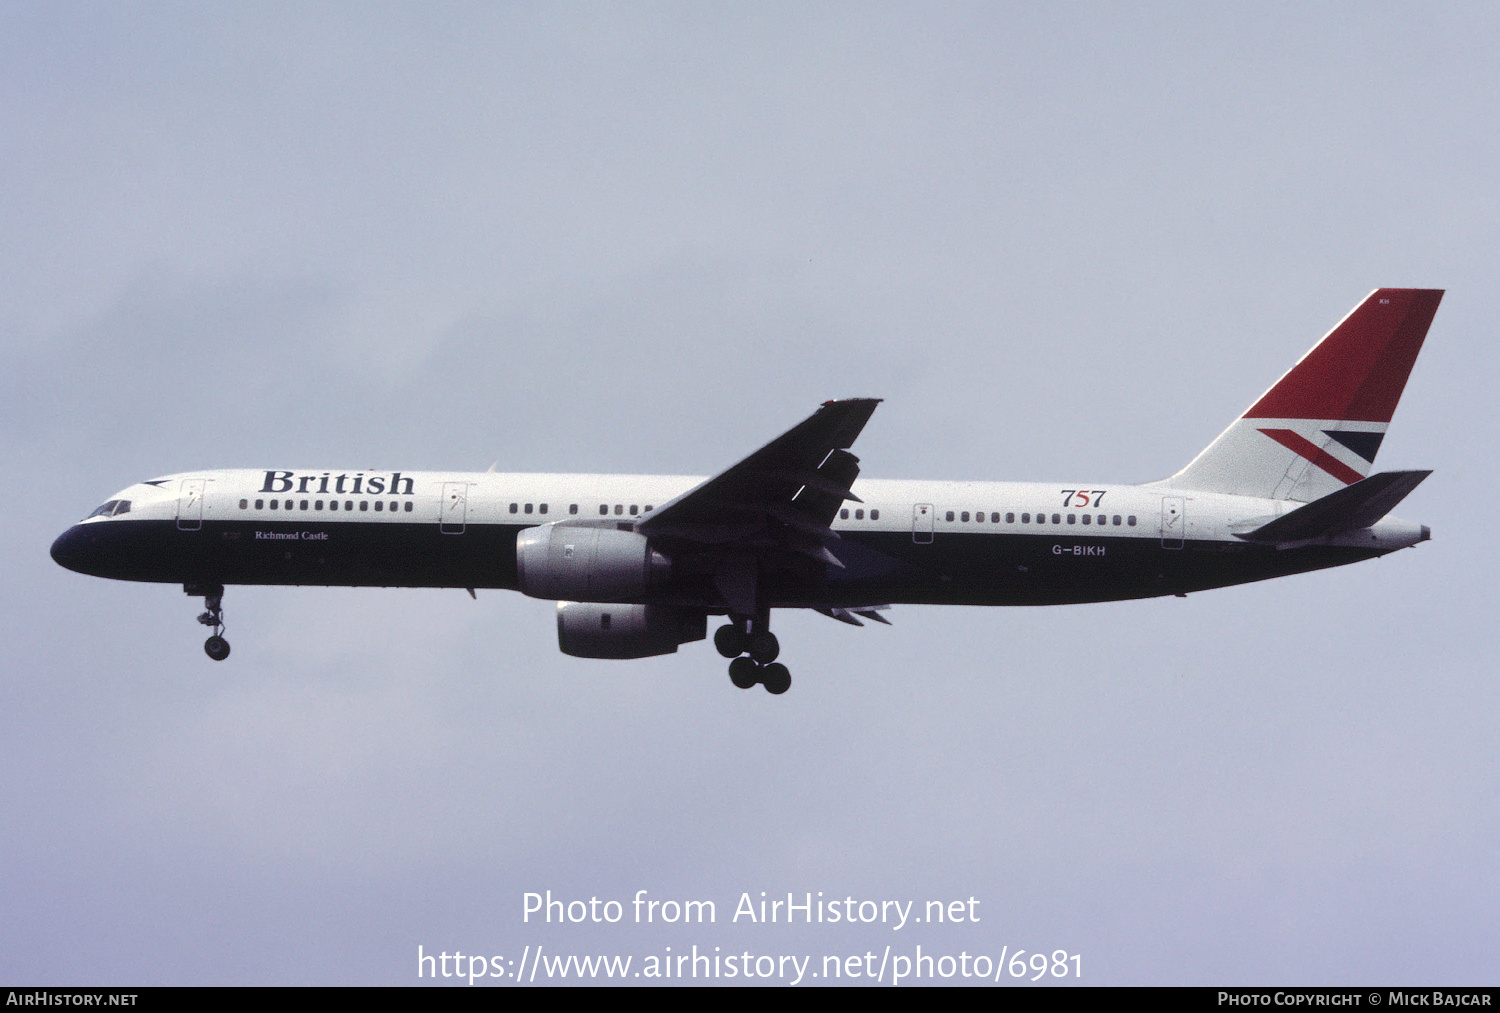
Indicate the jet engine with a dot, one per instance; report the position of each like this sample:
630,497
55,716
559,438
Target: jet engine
577,563
617,632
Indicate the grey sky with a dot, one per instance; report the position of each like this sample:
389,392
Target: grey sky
1061,241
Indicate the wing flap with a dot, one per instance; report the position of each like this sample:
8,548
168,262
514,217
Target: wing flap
851,614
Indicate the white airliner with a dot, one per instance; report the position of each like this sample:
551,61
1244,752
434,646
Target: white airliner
637,563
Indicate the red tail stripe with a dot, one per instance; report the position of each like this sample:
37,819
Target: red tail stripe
1303,447
1357,372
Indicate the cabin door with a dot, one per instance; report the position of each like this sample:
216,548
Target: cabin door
922,516
190,505
1173,522
455,508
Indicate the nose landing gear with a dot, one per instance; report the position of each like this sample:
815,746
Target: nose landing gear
216,647
733,640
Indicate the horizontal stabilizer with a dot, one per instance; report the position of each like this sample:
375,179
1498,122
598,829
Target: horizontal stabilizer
1353,507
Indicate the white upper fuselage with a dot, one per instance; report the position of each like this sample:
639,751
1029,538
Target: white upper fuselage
460,499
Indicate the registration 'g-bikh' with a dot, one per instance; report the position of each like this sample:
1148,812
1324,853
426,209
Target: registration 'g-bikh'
637,563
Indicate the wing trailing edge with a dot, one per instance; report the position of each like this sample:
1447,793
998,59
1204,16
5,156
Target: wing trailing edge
851,615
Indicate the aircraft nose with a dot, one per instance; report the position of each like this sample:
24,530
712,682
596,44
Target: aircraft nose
72,549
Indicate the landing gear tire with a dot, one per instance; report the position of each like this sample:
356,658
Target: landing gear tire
216,647
764,647
776,678
754,648
744,673
729,640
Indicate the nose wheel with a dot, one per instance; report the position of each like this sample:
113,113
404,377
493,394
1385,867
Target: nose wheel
754,655
216,647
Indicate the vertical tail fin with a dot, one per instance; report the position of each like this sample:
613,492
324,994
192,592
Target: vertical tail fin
1317,429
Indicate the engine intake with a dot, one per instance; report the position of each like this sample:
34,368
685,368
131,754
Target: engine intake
618,632
562,561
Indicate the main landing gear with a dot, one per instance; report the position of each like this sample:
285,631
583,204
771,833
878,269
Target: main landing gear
733,640
216,647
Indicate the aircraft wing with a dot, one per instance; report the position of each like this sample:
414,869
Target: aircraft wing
782,497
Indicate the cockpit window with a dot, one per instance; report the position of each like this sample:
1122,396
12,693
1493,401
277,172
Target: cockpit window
113,508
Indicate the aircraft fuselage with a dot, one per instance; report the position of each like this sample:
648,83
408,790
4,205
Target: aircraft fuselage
909,542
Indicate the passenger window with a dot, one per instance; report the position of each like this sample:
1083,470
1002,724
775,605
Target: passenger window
859,515
964,516
1025,518
333,504
348,504
379,505
1102,519
260,504
1086,519
1056,519
1117,520
633,510
528,508
1131,520
542,508
408,506
244,503
304,504
619,509
603,509
364,505
317,504
1072,518
572,508
514,507
844,514
275,503
949,516
874,515
1010,518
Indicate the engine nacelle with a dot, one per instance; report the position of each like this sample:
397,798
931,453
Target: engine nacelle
618,632
562,561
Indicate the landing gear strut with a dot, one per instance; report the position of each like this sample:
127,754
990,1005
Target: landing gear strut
216,647
734,640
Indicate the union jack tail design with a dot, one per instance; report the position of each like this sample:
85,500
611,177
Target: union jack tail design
1318,428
